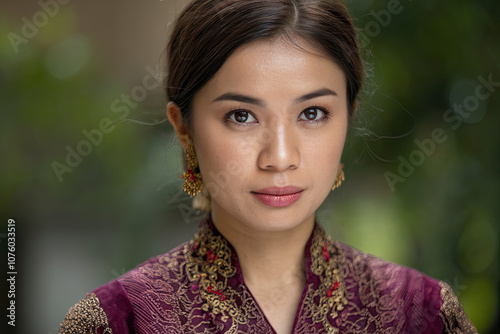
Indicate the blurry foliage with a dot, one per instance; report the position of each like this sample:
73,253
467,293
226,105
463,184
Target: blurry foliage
443,219
448,207
50,95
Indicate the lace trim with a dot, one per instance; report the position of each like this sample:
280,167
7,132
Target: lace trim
454,318
86,316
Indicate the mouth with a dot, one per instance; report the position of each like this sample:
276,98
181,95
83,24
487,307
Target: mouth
278,197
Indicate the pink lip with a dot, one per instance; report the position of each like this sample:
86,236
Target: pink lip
278,197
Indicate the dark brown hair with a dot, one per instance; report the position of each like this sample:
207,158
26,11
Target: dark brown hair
209,31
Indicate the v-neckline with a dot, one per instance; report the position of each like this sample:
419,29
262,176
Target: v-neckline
212,253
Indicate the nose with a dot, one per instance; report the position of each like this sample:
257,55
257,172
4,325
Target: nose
279,149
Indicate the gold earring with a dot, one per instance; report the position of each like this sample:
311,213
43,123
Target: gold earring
192,177
339,178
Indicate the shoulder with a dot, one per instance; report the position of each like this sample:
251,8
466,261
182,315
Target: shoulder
115,306
159,280
387,276
404,297
168,267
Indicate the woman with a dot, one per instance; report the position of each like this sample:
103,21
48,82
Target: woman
261,93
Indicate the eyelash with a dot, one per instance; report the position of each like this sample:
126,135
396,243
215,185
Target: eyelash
326,115
227,117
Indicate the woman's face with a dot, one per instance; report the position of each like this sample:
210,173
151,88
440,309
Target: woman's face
268,131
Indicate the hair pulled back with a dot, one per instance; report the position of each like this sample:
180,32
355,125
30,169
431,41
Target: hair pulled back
208,31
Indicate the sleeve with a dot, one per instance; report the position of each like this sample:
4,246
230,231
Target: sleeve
87,316
452,314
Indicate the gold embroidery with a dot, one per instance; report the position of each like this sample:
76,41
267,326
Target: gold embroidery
207,260
209,266
327,261
87,317
454,318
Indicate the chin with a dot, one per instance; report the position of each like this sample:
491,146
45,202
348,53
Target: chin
276,219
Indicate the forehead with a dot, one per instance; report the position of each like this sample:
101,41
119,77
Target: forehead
276,67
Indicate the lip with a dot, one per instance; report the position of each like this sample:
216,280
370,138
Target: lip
278,197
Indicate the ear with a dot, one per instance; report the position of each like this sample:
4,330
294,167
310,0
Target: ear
175,117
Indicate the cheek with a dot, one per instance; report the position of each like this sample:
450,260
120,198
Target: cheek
217,152
323,155
221,161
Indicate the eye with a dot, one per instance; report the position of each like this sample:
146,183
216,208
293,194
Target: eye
313,114
241,117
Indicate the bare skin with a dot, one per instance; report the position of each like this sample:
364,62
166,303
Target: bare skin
273,116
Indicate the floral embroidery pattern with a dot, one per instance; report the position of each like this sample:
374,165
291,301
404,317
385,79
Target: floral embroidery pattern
208,266
329,298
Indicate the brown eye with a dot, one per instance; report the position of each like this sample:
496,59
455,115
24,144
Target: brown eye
242,117
312,114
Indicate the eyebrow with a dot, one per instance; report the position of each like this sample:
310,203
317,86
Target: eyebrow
255,101
240,98
316,93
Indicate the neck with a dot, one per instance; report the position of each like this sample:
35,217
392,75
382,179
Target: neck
267,259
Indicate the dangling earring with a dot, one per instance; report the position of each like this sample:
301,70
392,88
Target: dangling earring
192,177
340,177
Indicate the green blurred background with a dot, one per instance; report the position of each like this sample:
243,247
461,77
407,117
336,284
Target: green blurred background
89,65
